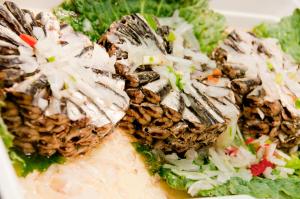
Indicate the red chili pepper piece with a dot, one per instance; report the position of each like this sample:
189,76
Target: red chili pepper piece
249,140
31,41
231,151
259,168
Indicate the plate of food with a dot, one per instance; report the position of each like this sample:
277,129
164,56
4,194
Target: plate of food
149,99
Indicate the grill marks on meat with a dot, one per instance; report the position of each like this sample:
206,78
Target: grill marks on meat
35,129
20,16
259,116
46,135
133,30
169,120
159,121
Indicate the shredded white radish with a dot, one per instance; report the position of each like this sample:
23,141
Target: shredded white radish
199,185
282,154
277,70
191,154
277,161
69,69
270,149
268,173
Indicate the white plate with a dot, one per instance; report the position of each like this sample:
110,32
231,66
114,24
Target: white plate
239,14
247,13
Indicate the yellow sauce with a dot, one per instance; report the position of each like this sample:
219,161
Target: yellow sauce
113,170
172,193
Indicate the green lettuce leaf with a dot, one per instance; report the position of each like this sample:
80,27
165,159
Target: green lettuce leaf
281,188
294,163
258,187
25,164
173,180
287,31
153,161
5,135
101,13
208,25
98,15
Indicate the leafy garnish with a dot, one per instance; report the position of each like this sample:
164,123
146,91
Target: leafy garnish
101,13
5,135
258,187
153,161
281,188
173,180
287,31
294,162
25,164
208,26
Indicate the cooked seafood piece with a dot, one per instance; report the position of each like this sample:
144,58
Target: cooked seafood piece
172,108
266,81
62,92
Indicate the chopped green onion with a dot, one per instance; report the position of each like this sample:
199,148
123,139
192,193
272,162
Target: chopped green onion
193,69
66,86
51,59
297,103
151,59
179,81
171,37
170,69
270,66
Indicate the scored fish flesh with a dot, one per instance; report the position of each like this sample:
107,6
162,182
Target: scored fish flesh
62,94
173,106
266,85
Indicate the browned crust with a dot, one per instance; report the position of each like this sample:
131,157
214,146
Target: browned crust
46,135
259,116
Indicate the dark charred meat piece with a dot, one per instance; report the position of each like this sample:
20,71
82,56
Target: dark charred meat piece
50,110
19,15
244,86
172,114
163,123
136,95
156,90
160,115
139,114
11,22
7,50
147,76
267,104
153,110
157,132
